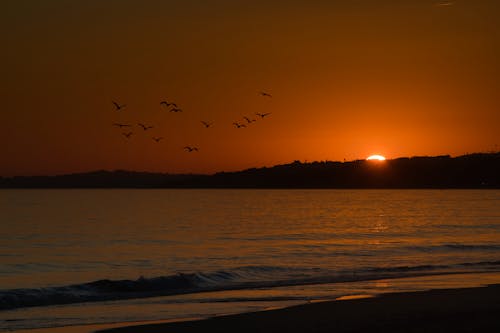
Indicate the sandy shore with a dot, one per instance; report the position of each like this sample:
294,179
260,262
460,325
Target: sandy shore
447,310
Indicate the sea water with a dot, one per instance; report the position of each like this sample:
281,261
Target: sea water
71,257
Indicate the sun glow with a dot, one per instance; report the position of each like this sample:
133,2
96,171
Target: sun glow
376,158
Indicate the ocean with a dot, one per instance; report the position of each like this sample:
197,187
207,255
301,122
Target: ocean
76,257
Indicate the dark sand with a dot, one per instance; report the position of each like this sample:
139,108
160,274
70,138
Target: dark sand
447,310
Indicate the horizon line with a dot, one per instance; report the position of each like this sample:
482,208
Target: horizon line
249,168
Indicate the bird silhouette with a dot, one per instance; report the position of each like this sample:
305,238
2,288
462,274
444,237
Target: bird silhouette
144,127
167,104
175,110
262,115
206,124
238,125
249,120
190,149
119,106
263,93
121,125
444,3
128,134
157,139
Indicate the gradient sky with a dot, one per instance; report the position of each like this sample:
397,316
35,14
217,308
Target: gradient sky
349,79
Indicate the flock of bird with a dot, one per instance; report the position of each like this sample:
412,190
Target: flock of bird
173,107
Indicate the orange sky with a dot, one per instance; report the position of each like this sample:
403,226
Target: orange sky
348,79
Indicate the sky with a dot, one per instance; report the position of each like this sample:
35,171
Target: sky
348,79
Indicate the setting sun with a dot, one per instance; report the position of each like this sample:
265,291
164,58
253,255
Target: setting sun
376,157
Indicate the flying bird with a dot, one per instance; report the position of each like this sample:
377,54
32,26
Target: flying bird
249,120
121,125
190,149
157,139
127,135
262,115
144,127
167,104
206,124
444,3
118,106
263,93
238,125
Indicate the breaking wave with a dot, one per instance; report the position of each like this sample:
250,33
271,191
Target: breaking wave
239,278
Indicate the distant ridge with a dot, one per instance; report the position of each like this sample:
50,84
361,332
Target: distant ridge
479,170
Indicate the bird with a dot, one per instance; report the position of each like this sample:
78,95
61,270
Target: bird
144,127
121,125
249,120
262,115
118,106
206,124
167,104
263,93
238,125
444,3
127,135
157,139
175,110
190,149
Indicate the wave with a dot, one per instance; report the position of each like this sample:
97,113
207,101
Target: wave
472,247
457,247
239,278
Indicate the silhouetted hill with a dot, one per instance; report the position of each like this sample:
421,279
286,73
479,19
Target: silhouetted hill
469,171
96,179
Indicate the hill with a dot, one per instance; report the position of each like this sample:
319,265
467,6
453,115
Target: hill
479,170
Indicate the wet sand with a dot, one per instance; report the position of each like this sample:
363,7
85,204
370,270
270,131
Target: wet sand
446,310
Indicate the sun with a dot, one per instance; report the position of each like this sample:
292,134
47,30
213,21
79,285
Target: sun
376,158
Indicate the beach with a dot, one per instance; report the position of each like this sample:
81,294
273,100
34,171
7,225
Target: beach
445,310
250,166
182,255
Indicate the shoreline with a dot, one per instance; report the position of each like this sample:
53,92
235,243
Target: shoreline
440,310
404,288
